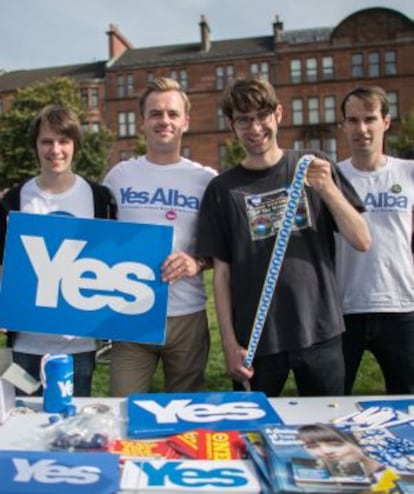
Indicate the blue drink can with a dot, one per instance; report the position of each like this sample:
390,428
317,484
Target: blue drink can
56,372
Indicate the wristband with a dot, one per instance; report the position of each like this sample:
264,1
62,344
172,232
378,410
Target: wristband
201,263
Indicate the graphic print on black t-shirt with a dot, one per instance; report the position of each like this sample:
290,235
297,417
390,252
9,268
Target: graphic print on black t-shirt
265,213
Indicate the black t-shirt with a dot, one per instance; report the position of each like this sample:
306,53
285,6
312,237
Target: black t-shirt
239,218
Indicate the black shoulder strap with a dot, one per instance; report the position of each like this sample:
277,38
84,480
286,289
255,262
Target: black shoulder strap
103,200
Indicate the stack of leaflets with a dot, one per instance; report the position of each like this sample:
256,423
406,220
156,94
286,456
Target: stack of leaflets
334,458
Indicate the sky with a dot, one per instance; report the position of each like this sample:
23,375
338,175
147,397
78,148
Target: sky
47,33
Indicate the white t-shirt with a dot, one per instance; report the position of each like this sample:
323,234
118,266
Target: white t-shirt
76,201
170,195
381,279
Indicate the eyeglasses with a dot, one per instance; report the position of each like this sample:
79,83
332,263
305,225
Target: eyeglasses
245,121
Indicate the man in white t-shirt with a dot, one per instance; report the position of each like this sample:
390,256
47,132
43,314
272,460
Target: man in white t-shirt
377,287
163,188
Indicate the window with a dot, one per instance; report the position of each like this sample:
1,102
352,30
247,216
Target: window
313,110
298,145
357,65
295,71
330,148
221,120
95,126
1,107
329,109
260,69
373,64
311,69
222,152
150,76
130,89
126,124
297,111
186,152
125,85
327,68
184,79
120,86
181,77
84,96
89,97
393,101
314,144
219,78
94,97
224,76
125,155
390,63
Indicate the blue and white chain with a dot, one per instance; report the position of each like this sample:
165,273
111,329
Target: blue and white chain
278,254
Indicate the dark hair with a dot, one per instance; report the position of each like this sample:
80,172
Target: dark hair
162,84
59,118
369,95
314,433
245,95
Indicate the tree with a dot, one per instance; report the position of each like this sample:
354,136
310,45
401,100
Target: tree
140,145
403,143
17,161
234,153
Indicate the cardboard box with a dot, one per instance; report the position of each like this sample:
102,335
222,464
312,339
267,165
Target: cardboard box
11,376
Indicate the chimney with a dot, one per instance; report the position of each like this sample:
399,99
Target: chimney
205,34
277,31
117,42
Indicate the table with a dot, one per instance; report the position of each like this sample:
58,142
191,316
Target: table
16,432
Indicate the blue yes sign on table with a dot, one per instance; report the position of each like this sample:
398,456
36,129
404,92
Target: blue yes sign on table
160,414
24,472
85,277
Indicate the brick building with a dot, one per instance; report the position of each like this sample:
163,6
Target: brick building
312,69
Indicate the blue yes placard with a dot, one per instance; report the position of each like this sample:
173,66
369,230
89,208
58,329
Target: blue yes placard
159,414
85,277
24,472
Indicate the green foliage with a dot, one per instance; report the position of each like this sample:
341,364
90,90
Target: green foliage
234,153
92,159
17,162
140,145
404,142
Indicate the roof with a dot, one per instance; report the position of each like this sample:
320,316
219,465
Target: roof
10,81
241,47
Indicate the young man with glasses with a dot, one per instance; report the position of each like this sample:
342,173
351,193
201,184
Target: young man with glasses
239,219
